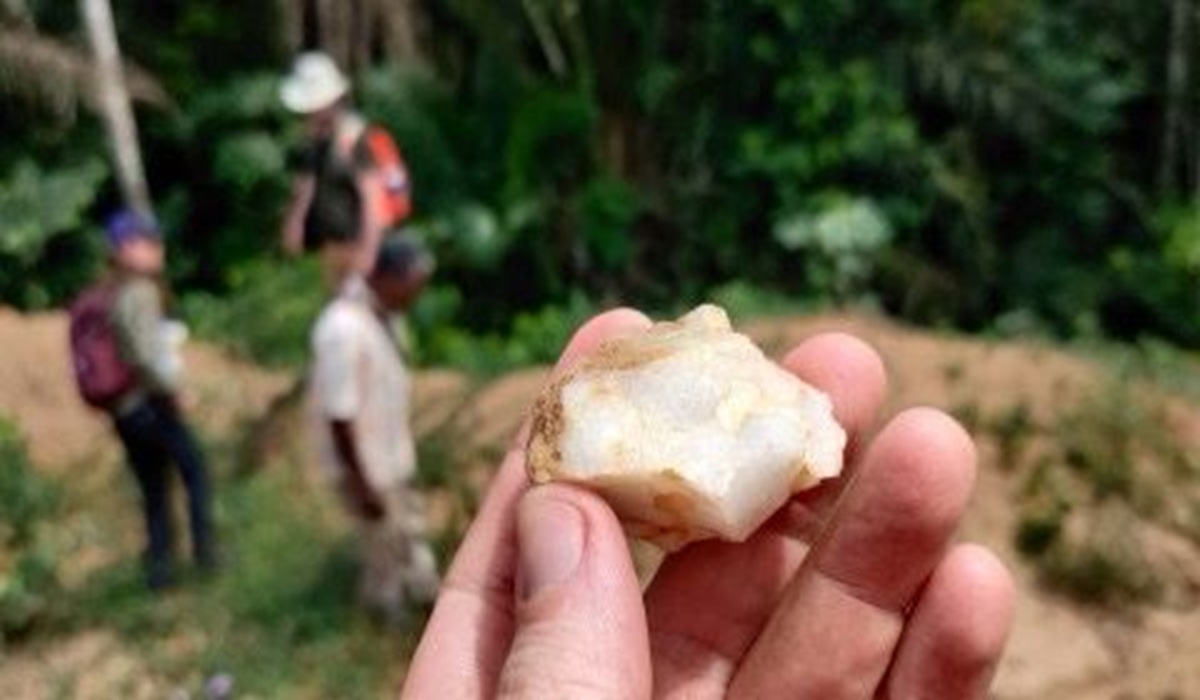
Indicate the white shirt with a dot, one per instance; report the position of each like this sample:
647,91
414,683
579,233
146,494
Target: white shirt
359,376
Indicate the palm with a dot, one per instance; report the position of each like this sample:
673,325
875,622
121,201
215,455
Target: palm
848,592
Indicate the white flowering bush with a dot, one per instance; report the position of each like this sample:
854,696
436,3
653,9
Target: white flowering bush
839,243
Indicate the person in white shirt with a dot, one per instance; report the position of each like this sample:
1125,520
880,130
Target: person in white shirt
362,398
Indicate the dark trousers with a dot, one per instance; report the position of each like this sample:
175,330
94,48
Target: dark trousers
155,436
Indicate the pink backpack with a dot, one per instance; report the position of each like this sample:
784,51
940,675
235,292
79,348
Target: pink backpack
101,375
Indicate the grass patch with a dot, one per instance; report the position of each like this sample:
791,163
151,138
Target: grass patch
1106,465
1013,429
1100,562
279,621
28,578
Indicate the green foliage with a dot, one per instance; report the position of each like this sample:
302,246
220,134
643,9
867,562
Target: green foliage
468,235
1013,430
1038,531
1102,567
40,259
551,143
27,498
281,620
295,594
961,163
28,583
742,299
1103,439
223,202
268,317
534,338
1102,466
431,131
838,245
606,209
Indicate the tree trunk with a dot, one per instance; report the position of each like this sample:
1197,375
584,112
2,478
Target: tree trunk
401,27
114,104
291,25
331,20
543,29
1175,111
355,33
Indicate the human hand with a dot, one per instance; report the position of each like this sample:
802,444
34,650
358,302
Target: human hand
852,590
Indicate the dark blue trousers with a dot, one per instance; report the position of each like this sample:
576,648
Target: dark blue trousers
155,437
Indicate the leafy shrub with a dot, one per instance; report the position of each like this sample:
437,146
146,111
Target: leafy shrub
1096,574
534,338
40,262
28,581
743,299
27,497
1103,565
1043,511
1111,460
223,163
1108,435
606,210
1013,430
838,245
468,235
27,592
267,316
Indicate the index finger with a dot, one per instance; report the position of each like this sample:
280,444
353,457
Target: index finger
465,641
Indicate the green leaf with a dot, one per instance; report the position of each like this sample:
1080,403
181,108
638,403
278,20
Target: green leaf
35,206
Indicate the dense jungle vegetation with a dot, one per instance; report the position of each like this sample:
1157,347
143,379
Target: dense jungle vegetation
982,164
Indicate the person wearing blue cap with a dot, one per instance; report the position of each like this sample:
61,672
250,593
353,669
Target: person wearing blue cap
142,402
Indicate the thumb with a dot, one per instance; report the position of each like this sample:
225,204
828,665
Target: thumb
580,624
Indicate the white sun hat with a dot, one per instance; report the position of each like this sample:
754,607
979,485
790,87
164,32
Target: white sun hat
314,83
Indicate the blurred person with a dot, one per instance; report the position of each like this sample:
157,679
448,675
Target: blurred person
350,185
362,400
858,589
126,353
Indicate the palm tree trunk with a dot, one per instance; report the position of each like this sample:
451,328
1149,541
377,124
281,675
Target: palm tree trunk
114,104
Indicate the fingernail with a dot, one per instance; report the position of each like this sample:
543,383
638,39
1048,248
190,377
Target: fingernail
550,535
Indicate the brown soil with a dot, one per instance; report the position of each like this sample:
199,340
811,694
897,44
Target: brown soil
1059,649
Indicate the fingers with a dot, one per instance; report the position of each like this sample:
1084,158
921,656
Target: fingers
956,633
467,637
580,627
696,647
889,532
851,372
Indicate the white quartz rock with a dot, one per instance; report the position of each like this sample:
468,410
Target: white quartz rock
687,430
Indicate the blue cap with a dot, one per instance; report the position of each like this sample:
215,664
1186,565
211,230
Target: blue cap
127,224
401,254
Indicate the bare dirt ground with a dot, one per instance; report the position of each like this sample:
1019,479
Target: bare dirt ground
1059,649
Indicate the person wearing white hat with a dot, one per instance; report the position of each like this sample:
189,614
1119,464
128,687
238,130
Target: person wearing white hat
314,84
341,192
